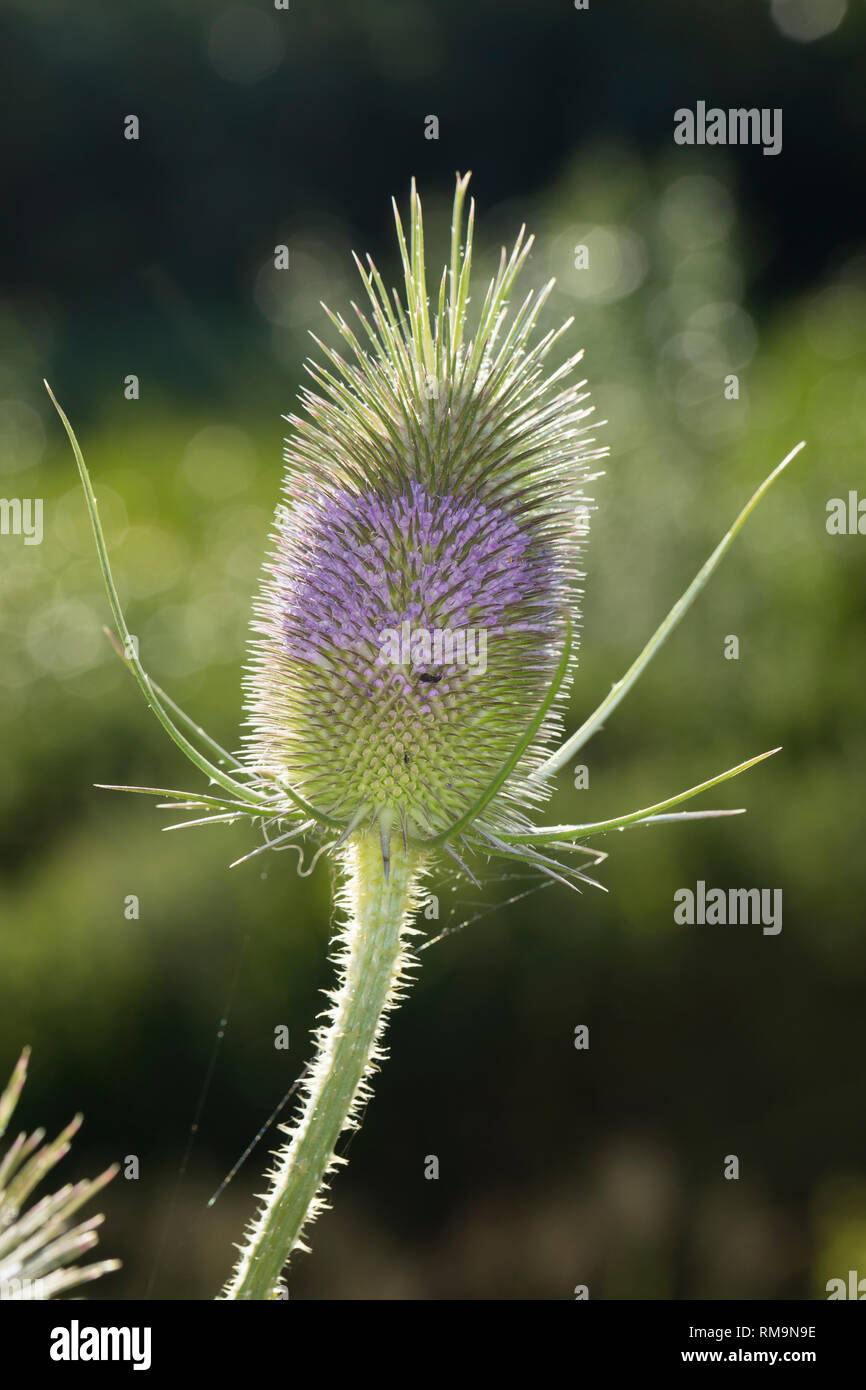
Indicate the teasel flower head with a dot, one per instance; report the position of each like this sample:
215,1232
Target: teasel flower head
420,605
40,1244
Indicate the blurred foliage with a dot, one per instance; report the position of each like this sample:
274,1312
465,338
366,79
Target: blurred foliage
558,1167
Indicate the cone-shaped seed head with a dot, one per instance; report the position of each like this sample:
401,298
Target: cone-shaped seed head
424,565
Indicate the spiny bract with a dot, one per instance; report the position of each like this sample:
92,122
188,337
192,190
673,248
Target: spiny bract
422,583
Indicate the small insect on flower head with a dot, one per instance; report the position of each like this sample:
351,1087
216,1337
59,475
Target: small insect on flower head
414,631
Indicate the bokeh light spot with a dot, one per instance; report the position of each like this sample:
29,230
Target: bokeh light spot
806,20
219,461
65,636
696,211
22,436
616,262
244,45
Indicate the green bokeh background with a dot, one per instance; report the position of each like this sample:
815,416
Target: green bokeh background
557,1167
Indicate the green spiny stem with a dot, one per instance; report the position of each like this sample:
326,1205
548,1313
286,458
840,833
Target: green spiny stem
372,957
